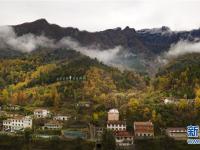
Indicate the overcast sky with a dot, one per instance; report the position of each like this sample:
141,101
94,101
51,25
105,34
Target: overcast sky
95,15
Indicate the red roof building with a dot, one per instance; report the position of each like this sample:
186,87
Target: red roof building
177,133
124,138
143,129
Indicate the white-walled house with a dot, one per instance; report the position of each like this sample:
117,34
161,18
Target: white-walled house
116,125
41,113
113,122
52,125
18,123
113,115
177,133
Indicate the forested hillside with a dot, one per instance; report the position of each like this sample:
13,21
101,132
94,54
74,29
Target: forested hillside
62,78
180,77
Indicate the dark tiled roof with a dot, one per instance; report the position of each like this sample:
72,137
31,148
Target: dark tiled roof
53,122
123,134
116,122
146,123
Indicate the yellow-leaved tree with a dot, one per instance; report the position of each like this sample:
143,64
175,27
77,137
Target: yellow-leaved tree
98,82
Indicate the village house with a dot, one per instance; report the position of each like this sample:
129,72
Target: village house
18,123
124,138
116,125
61,117
113,122
52,125
41,113
177,133
113,115
143,130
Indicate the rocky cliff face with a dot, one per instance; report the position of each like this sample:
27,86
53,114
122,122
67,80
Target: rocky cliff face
139,48
142,41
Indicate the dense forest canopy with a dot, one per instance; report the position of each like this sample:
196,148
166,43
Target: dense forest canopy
180,77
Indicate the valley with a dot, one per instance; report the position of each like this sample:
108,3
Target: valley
84,77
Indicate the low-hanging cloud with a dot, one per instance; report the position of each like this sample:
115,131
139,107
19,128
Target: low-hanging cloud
106,56
184,47
178,49
24,43
30,42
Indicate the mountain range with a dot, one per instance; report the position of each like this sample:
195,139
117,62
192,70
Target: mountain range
139,49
